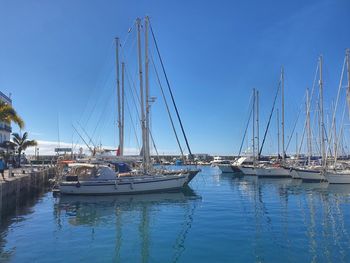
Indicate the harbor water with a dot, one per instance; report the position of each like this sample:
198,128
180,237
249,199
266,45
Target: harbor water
221,218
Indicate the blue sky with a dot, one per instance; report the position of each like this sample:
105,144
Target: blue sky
57,60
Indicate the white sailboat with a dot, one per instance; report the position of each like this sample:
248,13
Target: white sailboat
340,176
91,179
314,173
247,165
276,171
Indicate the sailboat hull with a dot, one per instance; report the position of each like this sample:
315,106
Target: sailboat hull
225,168
338,178
310,175
247,170
130,185
294,174
273,172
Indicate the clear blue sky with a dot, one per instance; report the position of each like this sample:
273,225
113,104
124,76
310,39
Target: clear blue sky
56,58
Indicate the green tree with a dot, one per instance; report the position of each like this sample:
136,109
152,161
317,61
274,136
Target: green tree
8,114
22,143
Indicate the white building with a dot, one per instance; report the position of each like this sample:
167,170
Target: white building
5,128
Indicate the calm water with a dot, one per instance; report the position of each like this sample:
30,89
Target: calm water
222,218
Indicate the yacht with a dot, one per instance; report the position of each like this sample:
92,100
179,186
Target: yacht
338,177
310,173
224,165
273,171
97,179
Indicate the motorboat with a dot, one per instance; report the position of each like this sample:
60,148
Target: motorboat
225,166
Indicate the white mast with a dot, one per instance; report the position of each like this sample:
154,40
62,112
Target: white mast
282,80
309,150
348,70
254,100
147,148
257,122
322,114
278,134
118,96
142,108
122,111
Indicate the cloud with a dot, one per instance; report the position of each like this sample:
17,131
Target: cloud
48,148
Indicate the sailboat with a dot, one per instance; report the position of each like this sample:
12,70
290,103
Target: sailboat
342,175
247,164
314,173
276,170
101,179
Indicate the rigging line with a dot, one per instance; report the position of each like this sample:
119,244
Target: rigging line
86,134
154,145
101,115
82,139
167,106
294,127
132,89
268,123
126,52
246,128
132,122
314,83
340,133
170,91
128,34
98,99
104,80
302,138
336,105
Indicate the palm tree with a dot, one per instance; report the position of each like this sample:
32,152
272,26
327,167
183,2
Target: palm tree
8,114
22,143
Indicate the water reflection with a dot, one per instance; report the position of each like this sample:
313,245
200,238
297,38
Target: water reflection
282,205
230,216
141,211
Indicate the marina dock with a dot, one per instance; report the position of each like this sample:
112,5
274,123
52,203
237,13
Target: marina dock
23,183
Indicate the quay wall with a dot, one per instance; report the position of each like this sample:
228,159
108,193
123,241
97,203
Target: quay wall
25,183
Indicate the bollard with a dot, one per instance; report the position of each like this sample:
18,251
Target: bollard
10,171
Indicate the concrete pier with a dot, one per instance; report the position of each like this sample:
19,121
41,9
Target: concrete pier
24,183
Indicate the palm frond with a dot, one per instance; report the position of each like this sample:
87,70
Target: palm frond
27,144
16,138
8,114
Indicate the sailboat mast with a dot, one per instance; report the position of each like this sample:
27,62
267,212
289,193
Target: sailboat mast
257,123
278,133
254,112
142,108
348,73
122,110
118,94
322,113
282,80
147,148
309,150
